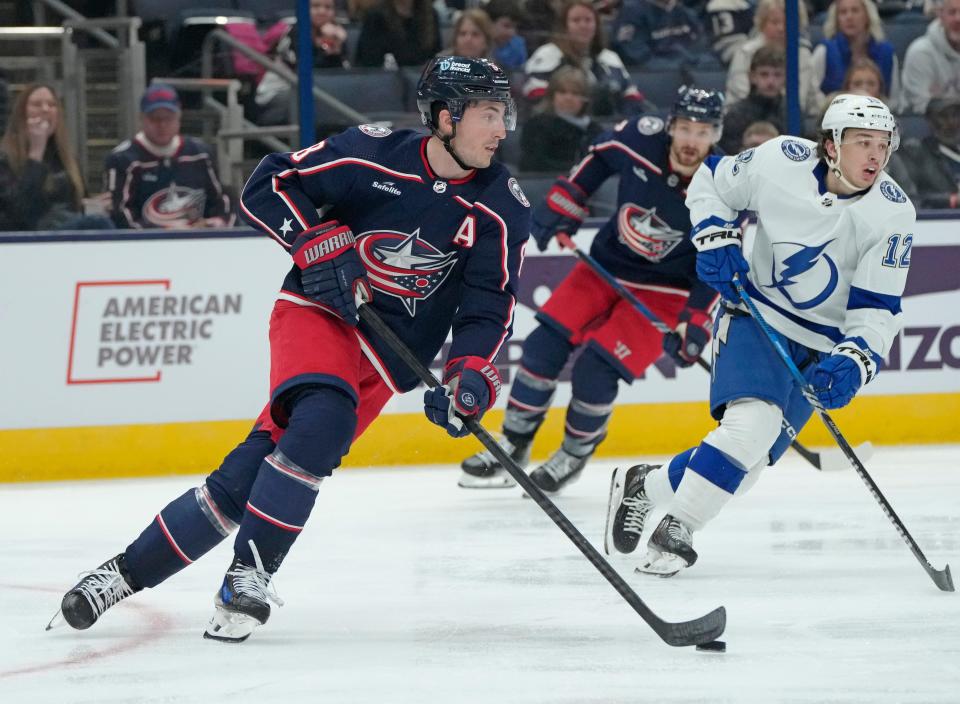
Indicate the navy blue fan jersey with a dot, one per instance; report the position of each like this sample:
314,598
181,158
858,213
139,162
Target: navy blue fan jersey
439,253
646,241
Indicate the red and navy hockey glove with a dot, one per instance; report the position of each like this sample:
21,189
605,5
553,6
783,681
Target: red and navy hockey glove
838,377
330,269
470,387
688,340
563,210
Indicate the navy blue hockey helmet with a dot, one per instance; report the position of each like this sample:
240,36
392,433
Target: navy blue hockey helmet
457,80
698,105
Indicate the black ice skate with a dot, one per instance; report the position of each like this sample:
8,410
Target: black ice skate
669,549
557,472
97,591
484,471
242,603
627,509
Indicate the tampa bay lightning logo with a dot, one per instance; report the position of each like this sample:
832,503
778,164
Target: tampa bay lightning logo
890,191
742,158
794,150
799,270
403,265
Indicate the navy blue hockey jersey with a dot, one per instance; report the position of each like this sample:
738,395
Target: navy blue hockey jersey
175,189
646,241
439,253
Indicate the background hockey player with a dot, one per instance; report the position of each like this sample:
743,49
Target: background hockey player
826,269
431,235
162,178
645,246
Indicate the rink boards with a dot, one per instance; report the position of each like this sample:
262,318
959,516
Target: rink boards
146,353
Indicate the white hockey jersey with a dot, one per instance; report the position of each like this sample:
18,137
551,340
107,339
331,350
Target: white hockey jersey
823,267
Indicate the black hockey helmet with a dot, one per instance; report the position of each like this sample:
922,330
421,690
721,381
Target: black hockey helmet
456,80
698,105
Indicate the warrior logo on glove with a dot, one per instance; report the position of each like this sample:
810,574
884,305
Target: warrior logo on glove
404,266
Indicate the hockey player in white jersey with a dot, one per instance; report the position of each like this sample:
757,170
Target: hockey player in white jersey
826,268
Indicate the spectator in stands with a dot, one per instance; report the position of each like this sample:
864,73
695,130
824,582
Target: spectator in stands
398,33
541,16
770,22
41,187
728,26
934,162
161,178
509,48
758,133
558,134
273,96
864,77
853,30
657,34
931,67
578,41
768,76
472,35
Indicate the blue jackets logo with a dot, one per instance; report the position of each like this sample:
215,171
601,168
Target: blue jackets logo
804,275
646,233
404,266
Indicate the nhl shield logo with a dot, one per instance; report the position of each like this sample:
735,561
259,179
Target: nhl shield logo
403,265
439,186
646,233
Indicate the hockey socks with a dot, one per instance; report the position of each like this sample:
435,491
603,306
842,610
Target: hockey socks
545,352
594,387
186,529
322,424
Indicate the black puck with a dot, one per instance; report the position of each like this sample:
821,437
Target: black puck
714,646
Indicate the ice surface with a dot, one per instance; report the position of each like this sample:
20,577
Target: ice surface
405,588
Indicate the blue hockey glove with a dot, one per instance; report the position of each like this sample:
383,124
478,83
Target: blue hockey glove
688,340
330,269
563,210
838,377
719,257
470,387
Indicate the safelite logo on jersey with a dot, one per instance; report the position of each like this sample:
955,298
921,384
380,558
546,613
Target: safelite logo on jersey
128,331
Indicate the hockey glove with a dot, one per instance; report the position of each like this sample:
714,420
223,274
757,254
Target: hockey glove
470,387
838,377
719,257
330,269
688,340
563,210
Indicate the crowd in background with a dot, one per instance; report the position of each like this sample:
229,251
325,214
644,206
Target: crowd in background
578,66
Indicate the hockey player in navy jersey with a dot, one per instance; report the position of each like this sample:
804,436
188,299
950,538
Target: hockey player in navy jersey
826,269
427,231
645,246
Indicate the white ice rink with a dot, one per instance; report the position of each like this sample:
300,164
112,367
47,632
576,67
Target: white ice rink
405,588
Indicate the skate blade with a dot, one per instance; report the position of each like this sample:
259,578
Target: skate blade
230,627
661,564
613,503
497,481
56,621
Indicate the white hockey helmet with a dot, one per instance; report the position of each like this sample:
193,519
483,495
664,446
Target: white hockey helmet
848,110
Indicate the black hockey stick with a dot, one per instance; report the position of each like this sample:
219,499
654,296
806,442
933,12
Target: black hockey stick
819,461
696,632
941,578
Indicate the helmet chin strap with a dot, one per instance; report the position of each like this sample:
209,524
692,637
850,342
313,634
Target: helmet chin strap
448,145
834,167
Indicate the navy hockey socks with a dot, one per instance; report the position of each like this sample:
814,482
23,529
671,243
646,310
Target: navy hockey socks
545,352
194,523
320,432
594,391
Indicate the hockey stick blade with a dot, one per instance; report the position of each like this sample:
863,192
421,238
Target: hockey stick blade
695,632
833,460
